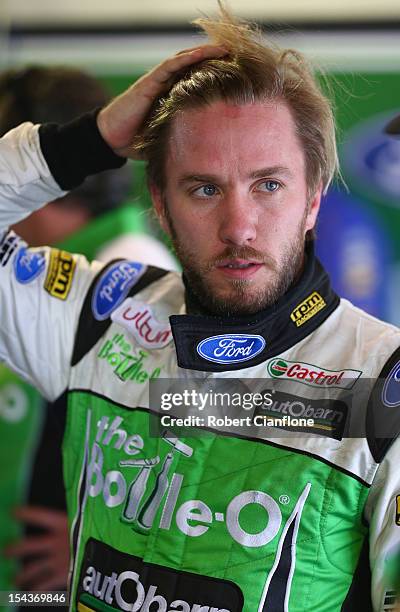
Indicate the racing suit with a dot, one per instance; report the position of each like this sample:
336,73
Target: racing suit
265,518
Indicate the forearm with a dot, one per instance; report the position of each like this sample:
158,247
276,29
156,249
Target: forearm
75,150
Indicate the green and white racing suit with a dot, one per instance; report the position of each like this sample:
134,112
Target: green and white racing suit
265,519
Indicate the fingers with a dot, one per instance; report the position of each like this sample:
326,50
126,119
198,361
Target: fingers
121,120
33,572
168,68
212,49
53,521
42,517
191,56
53,583
30,546
49,567
44,574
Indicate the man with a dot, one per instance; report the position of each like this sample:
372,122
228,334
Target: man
239,150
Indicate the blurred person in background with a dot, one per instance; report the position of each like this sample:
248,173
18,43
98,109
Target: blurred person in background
95,219
393,127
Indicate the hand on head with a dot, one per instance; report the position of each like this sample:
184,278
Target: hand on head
121,120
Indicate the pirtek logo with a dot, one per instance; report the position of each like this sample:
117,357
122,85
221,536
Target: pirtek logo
60,274
138,319
307,309
312,375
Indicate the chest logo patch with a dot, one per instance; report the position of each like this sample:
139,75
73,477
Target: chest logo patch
230,348
312,375
113,287
28,265
140,322
391,388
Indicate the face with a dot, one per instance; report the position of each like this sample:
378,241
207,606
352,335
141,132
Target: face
235,203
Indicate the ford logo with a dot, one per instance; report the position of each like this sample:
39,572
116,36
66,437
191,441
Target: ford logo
28,264
230,348
371,158
391,388
113,286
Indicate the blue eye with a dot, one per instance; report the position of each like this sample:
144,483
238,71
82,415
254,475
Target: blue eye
206,191
269,186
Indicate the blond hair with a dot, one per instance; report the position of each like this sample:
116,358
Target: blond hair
251,72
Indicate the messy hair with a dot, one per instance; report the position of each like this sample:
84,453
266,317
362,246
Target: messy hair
250,72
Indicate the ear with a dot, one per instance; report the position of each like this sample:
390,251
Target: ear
159,207
313,209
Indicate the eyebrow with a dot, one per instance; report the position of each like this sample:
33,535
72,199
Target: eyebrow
276,170
210,178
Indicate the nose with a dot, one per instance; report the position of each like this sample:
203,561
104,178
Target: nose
238,223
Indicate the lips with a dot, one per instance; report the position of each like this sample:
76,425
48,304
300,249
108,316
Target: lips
237,263
239,268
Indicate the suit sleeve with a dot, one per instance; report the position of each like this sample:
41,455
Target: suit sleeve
39,163
383,513
41,289
41,296
383,504
26,182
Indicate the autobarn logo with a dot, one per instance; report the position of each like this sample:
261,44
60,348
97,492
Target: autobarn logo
140,322
328,416
312,375
109,577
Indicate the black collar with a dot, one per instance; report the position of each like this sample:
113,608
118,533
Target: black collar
219,344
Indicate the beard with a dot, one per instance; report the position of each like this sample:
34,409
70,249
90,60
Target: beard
241,298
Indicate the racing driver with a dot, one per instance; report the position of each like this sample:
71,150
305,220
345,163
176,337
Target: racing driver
240,146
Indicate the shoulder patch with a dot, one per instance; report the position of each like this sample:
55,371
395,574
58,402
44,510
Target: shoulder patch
29,264
141,322
383,411
113,287
91,328
391,387
60,274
